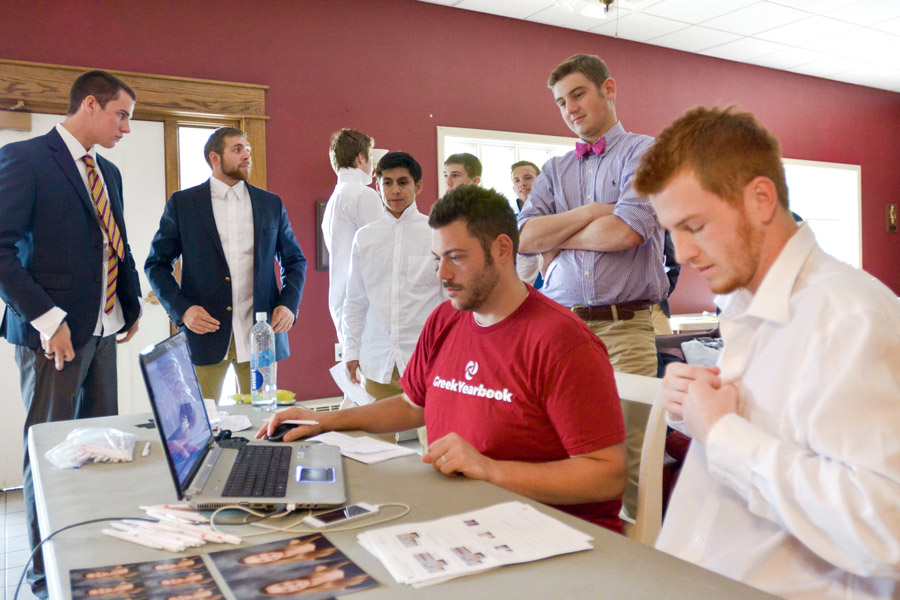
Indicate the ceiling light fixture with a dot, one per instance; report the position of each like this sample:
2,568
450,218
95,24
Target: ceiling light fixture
597,9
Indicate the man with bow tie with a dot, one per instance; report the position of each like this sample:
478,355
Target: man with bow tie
608,268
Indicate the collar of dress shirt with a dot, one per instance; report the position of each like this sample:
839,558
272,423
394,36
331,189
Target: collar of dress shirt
772,301
74,146
612,137
219,188
353,175
411,212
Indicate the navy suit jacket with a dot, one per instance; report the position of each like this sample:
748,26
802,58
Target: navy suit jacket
188,229
51,244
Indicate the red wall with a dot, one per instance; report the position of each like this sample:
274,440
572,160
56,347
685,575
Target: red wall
396,69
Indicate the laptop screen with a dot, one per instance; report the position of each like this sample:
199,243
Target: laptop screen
178,405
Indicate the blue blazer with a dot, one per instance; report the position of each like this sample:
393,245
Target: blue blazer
188,229
51,245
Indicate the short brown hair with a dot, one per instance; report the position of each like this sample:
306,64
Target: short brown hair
469,162
101,85
524,163
346,145
589,65
725,149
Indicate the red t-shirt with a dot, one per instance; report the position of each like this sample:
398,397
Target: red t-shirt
536,387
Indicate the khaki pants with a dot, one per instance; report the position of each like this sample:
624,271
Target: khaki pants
211,377
381,391
632,349
660,321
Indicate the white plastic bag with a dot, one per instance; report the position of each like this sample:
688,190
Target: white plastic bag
95,444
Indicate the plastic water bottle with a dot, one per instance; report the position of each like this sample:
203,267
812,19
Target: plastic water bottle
262,364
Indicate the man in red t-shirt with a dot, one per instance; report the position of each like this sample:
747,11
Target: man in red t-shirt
514,389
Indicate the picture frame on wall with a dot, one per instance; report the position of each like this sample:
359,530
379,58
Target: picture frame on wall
322,261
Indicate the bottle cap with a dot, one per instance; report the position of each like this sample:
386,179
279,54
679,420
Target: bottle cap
261,316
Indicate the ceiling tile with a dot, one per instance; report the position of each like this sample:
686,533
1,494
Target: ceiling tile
744,49
695,11
867,12
806,30
786,59
892,26
757,17
693,39
815,6
862,44
517,9
639,27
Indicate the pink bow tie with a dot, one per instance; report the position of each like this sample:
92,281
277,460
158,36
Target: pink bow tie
582,149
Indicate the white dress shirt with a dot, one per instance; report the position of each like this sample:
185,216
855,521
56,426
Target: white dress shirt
352,205
528,266
799,494
392,287
233,211
107,324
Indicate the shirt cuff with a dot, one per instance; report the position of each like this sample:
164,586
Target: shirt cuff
49,322
730,447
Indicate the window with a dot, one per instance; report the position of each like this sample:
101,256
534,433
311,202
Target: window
498,150
828,197
192,167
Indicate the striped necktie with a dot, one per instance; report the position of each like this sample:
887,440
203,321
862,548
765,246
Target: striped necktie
116,249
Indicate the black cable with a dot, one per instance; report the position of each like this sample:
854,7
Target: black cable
49,537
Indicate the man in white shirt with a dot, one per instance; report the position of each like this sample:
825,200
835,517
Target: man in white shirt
227,233
792,481
523,173
392,286
352,205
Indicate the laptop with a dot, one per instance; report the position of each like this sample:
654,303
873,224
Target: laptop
208,474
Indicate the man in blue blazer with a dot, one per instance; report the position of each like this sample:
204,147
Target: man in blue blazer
66,271
228,234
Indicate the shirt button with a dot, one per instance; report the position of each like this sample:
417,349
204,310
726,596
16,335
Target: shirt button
587,272
228,308
228,279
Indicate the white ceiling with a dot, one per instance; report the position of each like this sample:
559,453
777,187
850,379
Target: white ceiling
855,41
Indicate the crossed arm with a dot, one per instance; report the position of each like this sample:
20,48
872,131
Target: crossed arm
589,227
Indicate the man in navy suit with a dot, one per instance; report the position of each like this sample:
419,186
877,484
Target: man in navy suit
227,233
66,272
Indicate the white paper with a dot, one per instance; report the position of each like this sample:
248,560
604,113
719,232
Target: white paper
424,553
355,391
363,449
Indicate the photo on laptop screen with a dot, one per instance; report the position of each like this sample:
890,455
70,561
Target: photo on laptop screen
175,389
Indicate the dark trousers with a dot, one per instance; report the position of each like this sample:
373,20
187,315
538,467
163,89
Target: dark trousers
86,387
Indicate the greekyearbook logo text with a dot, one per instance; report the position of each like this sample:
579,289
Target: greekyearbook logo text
455,385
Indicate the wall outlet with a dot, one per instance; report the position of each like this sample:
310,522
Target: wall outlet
338,352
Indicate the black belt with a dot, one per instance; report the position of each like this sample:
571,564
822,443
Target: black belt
623,311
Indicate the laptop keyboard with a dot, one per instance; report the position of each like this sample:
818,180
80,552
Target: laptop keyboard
259,471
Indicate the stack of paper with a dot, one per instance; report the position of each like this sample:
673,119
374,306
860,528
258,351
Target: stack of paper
364,449
420,554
